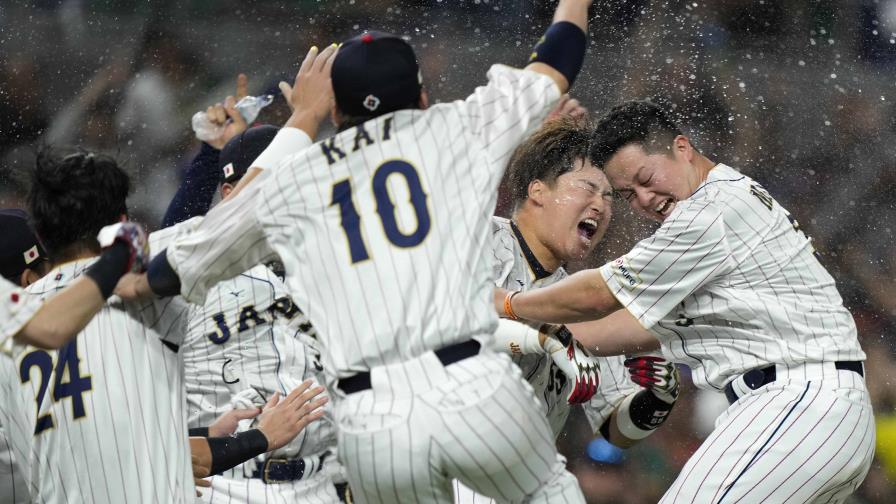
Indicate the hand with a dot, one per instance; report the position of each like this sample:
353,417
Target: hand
582,369
311,96
133,287
226,424
228,116
131,235
200,471
571,108
281,421
657,374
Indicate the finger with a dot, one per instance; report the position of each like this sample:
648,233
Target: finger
232,112
273,400
242,86
285,90
321,61
202,483
308,61
328,65
218,114
314,405
296,392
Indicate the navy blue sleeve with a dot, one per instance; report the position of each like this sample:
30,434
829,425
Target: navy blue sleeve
196,191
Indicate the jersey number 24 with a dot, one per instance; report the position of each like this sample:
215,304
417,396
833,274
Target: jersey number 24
351,220
66,367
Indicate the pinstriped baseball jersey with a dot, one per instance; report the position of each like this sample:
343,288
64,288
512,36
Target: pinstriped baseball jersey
381,227
111,423
517,268
729,282
16,309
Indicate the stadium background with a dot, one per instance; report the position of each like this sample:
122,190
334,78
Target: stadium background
796,93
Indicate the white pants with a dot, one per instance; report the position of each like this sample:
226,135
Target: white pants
423,424
806,437
316,489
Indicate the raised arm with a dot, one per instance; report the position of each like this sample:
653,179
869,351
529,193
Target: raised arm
560,53
577,298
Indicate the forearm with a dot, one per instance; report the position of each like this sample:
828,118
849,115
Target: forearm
582,296
619,333
573,11
637,417
518,338
64,315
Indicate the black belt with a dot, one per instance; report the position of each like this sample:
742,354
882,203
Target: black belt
447,355
276,470
759,377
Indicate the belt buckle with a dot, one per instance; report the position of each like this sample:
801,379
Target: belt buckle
267,466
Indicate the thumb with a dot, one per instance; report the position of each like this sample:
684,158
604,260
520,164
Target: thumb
245,414
233,113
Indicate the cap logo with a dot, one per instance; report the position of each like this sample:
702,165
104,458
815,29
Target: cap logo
31,255
371,102
228,170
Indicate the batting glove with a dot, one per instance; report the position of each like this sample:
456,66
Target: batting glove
582,370
657,374
134,237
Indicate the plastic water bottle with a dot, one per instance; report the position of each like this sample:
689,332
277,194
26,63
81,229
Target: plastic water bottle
248,107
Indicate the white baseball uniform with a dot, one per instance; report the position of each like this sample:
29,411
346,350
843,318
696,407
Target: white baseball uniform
110,409
16,309
517,268
729,283
381,229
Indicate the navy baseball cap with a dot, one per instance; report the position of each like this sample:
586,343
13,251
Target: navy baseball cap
19,246
375,73
237,156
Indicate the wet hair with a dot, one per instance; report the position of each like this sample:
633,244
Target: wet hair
635,122
549,153
74,195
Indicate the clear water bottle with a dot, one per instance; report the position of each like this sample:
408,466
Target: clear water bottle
249,107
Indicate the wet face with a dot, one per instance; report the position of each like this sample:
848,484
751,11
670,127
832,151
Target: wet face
653,184
575,212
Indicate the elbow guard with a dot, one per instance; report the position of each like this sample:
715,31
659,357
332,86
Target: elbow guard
562,48
162,278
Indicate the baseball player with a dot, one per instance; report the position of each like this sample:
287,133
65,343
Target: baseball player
729,285
112,427
381,230
26,320
562,206
246,343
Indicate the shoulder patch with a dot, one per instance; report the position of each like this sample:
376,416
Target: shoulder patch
625,274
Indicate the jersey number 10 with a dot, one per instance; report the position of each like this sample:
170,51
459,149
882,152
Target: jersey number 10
351,220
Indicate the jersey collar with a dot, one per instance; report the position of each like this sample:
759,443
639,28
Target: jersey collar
538,270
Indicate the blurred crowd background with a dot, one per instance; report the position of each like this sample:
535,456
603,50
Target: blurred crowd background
798,94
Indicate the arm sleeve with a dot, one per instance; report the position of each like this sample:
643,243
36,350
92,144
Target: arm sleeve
197,189
227,242
687,252
503,112
615,386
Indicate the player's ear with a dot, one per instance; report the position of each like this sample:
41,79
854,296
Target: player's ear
335,116
423,102
226,189
29,276
681,146
537,191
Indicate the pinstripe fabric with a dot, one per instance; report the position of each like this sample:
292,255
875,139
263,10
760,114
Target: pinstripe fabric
16,430
423,424
794,440
728,284
131,444
16,309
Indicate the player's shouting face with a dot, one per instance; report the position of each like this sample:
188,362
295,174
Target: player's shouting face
652,183
576,211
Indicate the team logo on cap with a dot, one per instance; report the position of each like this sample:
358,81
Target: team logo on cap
228,170
31,255
371,102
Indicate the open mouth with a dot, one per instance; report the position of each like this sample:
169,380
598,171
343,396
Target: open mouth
665,207
587,229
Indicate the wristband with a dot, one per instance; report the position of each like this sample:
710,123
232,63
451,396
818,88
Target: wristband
562,48
163,280
287,141
640,414
508,305
231,451
109,268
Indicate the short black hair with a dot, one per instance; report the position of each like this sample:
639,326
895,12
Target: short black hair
73,195
635,122
550,152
